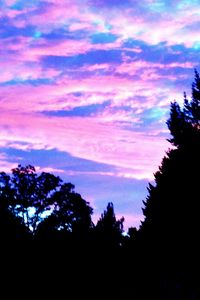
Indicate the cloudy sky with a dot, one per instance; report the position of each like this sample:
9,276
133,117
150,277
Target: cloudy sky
85,88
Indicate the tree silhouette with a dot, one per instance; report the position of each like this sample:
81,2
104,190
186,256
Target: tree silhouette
171,227
11,226
108,229
50,226
27,194
43,203
184,124
70,214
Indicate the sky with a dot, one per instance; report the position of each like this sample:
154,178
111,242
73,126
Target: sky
85,91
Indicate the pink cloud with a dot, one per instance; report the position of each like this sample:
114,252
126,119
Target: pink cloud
58,14
152,27
13,43
95,90
61,48
119,172
138,152
121,91
39,99
8,10
19,71
54,14
96,67
81,26
68,47
30,50
169,27
109,115
134,67
48,170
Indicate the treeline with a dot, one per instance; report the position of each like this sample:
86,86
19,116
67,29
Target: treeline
45,224
52,248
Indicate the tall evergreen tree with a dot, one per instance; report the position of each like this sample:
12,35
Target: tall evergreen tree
184,123
171,226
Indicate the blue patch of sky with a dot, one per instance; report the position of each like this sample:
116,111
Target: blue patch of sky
161,52
64,33
8,30
196,46
193,26
21,4
92,57
126,194
126,108
37,34
179,57
110,3
2,4
55,159
33,82
186,4
185,54
177,73
152,53
103,38
153,114
157,6
77,94
80,111
178,48
132,43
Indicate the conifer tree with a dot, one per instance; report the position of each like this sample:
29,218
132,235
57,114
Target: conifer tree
170,230
184,123
108,228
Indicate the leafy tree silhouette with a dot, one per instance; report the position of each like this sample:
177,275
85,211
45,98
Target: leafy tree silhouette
43,201
29,195
12,228
171,227
70,214
50,223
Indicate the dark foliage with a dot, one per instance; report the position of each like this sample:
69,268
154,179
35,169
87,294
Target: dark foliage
171,227
108,229
48,237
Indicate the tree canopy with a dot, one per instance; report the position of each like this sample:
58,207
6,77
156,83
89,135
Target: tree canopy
43,202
